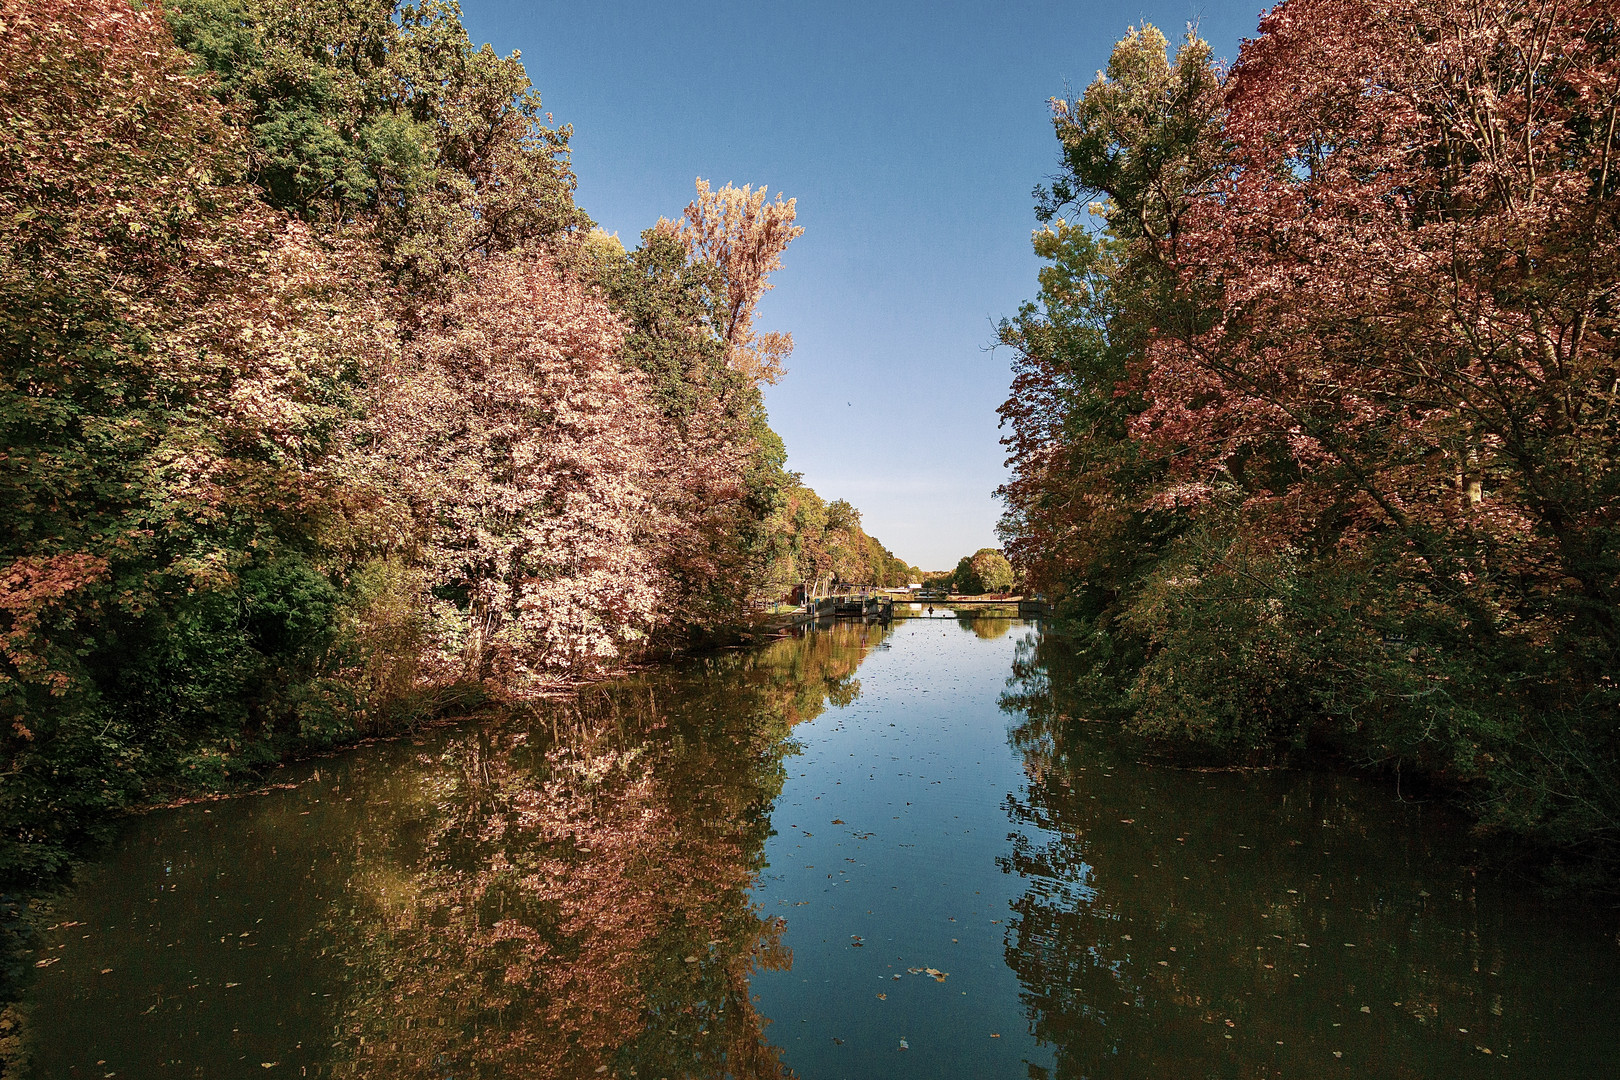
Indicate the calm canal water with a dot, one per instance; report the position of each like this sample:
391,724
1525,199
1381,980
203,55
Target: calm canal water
863,853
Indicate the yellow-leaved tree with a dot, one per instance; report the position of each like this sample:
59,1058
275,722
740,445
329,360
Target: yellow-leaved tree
741,234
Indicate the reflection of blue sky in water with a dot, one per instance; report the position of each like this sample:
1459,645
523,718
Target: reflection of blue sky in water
898,874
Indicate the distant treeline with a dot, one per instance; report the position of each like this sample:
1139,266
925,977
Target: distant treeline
1314,432
985,571
325,408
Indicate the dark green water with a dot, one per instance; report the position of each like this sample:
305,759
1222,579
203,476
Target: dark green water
839,856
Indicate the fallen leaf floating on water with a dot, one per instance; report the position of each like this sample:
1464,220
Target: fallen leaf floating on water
936,974
837,821
883,997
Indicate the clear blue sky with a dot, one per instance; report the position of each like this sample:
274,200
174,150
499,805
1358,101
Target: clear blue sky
911,135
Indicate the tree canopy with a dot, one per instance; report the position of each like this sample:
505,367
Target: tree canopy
985,571
1311,427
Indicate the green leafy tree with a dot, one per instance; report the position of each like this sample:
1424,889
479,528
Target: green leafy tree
370,115
963,580
985,571
993,571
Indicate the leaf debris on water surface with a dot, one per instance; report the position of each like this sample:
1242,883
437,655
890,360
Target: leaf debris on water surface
935,973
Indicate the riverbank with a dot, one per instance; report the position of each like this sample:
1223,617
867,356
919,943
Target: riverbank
1084,678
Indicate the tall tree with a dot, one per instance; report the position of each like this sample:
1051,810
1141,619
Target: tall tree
532,454
743,235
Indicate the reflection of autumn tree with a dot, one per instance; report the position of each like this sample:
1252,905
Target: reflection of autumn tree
986,629
578,894
818,669
1166,909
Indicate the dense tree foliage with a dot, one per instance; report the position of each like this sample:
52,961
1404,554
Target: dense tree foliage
323,406
1314,435
362,115
810,541
985,571
177,363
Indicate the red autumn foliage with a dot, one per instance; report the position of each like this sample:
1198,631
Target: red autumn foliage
30,588
1410,261
1319,434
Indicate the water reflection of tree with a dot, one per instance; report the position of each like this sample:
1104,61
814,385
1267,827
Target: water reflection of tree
577,894
986,628
816,668
1165,910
